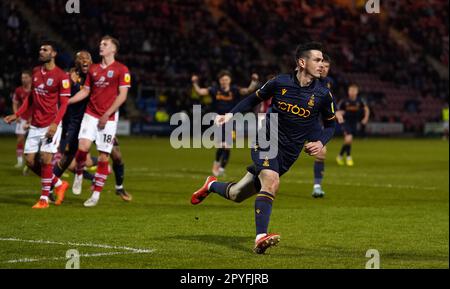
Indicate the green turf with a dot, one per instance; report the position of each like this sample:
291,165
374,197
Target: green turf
394,200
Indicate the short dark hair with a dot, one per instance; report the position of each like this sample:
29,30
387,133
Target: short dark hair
114,41
51,43
223,73
352,84
303,50
26,71
326,58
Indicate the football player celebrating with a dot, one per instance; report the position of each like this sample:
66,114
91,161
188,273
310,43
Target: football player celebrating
107,83
20,94
298,99
49,97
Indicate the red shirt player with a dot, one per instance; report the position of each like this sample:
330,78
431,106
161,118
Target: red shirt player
20,94
107,83
49,98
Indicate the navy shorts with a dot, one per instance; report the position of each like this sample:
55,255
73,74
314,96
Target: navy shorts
350,127
69,139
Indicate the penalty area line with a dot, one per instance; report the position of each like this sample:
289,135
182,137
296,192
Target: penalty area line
125,250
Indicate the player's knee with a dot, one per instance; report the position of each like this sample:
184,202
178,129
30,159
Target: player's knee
84,145
103,157
29,160
270,182
46,158
116,156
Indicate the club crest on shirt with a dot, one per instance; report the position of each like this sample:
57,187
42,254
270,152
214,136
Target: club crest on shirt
110,73
49,82
266,162
311,101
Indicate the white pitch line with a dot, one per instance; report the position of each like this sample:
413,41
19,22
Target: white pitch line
128,250
29,260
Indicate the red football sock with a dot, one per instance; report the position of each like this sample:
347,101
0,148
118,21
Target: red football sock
19,150
80,158
46,179
100,176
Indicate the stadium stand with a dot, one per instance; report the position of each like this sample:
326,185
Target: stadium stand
164,42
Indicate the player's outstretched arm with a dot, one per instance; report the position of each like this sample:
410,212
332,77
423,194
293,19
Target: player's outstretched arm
251,87
82,94
120,99
197,88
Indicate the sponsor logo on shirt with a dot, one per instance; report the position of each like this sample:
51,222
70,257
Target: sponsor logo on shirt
65,83
127,78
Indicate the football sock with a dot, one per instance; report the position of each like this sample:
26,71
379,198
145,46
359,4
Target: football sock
319,168
263,210
46,180
219,153
87,175
349,150
219,188
80,157
19,153
100,176
225,158
343,150
119,173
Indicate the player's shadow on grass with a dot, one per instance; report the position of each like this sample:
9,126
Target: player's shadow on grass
233,242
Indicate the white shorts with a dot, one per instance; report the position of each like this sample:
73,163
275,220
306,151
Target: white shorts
20,122
104,139
36,140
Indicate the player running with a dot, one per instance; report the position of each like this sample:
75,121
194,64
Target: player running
224,99
107,83
351,109
48,100
298,100
20,94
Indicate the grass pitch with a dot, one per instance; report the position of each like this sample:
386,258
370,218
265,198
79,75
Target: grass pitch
394,200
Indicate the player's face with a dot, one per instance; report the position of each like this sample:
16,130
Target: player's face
353,92
225,81
325,70
46,53
83,61
26,79
107,48
313,64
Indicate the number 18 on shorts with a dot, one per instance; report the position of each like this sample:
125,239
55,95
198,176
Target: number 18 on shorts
104,138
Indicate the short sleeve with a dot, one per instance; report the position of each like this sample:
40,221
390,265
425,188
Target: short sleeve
125,77
64,88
